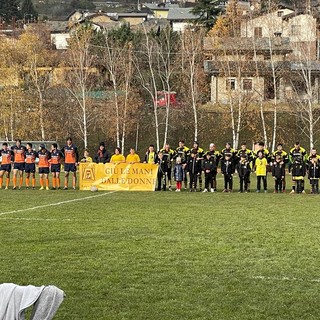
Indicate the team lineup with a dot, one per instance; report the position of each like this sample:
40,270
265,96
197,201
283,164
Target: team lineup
23,159
190,164
184,165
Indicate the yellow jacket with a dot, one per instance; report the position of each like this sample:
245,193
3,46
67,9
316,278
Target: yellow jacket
261,166
132,158
117,158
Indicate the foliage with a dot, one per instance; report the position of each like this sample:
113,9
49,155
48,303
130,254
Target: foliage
28,12
34,78
122,35
228,25
208,10
267,4
82,4
9,9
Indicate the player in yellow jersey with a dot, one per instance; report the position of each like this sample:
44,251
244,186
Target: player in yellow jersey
118,157
261,171
132,157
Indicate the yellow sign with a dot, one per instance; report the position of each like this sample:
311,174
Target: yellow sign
122,176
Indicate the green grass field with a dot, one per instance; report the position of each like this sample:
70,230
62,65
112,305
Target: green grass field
166,255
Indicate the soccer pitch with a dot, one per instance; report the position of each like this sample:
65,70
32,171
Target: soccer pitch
166,255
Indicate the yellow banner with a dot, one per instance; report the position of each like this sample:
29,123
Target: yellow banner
122,176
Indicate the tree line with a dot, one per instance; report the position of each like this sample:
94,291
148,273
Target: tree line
101,86
105,87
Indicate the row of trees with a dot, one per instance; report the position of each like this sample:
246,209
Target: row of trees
275,67
106,87
27,11
13,10
102,85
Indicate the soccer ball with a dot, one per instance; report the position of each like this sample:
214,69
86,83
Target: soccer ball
93,188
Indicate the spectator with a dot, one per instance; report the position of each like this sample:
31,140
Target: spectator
118,157
102,155
86,156
133,157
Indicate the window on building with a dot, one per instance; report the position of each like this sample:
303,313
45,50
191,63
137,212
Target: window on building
231,84
258,32
247,84
270,90
295,30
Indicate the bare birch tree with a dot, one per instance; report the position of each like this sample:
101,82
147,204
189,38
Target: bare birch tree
273,30
305,83
145,61
167,41
260,95
80,73
192,70
113,56
234,65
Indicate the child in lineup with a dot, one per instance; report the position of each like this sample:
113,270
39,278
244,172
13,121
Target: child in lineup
178,174
194,169
244,170
278,173
86,155
227,169
162,179
298,172
261,171
209,167
314,175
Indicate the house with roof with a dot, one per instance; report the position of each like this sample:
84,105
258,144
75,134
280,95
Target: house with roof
181,18
104,21
131,18
242,67
160,10
273,57
80,16
59,33
75,16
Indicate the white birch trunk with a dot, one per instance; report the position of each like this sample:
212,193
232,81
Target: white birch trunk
84,118
11,118
264,130
151,88
311,125
81,61
235,146
233,126
116,104
275,100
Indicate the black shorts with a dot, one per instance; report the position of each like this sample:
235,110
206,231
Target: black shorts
30,168
44,170
5,167
55,167
70,167
18,166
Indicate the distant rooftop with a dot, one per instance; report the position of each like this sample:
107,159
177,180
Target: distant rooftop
57,26
247,44
179,14
160,6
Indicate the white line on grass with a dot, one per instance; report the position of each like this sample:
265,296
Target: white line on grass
48,220
283,279
56,203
